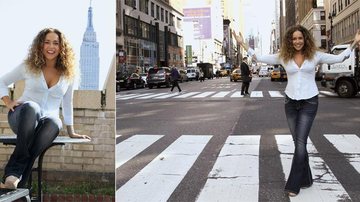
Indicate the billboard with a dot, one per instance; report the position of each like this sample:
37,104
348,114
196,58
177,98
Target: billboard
201,19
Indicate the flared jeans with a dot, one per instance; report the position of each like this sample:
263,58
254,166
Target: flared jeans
35,133
300,115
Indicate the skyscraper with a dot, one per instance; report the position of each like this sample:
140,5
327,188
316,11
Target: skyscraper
89,57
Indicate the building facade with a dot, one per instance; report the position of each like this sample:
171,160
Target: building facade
149,32
89,57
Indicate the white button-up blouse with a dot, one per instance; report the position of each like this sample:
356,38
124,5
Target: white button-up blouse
301,80
36,90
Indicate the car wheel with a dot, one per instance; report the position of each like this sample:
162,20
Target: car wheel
117,87
345,89
135,86
150,86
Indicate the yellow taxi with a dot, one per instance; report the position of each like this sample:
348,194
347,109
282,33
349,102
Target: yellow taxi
235,75
278,73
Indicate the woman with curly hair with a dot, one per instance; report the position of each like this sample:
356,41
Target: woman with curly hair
300,56
49,74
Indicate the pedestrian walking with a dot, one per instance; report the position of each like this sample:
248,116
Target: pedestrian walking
201,76
175,76
300,56
245,76
49,73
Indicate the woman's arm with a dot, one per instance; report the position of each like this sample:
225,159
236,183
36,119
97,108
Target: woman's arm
67,110
331,58
269,59
16,74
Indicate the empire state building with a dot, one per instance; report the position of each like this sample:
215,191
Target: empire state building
89,57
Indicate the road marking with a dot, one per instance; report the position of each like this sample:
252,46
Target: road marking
167,95
237,94
256,94
221,94
160,177
151,96
186,95
134,96
235,175
275,94
349,145
132,146
215,94
204,94
326,187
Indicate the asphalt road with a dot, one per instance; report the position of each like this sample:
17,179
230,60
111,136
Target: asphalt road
222,117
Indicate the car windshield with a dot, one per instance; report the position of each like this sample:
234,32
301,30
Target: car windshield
156,71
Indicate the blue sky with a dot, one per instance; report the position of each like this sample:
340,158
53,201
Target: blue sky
21,20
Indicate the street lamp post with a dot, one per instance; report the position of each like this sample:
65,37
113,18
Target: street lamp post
331,43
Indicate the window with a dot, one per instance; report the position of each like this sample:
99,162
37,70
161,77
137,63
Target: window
323,30
178,23
166,16
130,26
334,8
152,9
322,15
131,3
158,12
144,6
162,15
171,19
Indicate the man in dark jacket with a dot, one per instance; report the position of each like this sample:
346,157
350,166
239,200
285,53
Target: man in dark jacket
246,77
175,76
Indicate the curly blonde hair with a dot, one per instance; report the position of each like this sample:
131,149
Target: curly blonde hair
65,62
287,50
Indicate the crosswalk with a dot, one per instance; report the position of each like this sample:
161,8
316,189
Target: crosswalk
209,94
235,173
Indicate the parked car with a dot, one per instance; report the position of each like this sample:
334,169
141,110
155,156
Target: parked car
192,74
278,73
235,75
121,78
158,76
183,75
223,72
135,81
263,73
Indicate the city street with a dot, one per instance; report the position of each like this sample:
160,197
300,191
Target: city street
209,143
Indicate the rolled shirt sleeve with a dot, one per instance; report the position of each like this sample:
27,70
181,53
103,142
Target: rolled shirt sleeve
11,77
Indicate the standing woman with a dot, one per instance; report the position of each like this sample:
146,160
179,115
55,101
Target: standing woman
49,74
299,56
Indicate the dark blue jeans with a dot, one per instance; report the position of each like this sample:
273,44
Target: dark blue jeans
35,133
300,115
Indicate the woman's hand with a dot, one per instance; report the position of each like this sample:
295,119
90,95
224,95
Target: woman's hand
356,39
239,39
9,103
75,135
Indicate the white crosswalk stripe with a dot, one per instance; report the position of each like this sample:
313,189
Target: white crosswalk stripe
129,148
212,94
349,145
164,172
232,177
221,94
235,174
